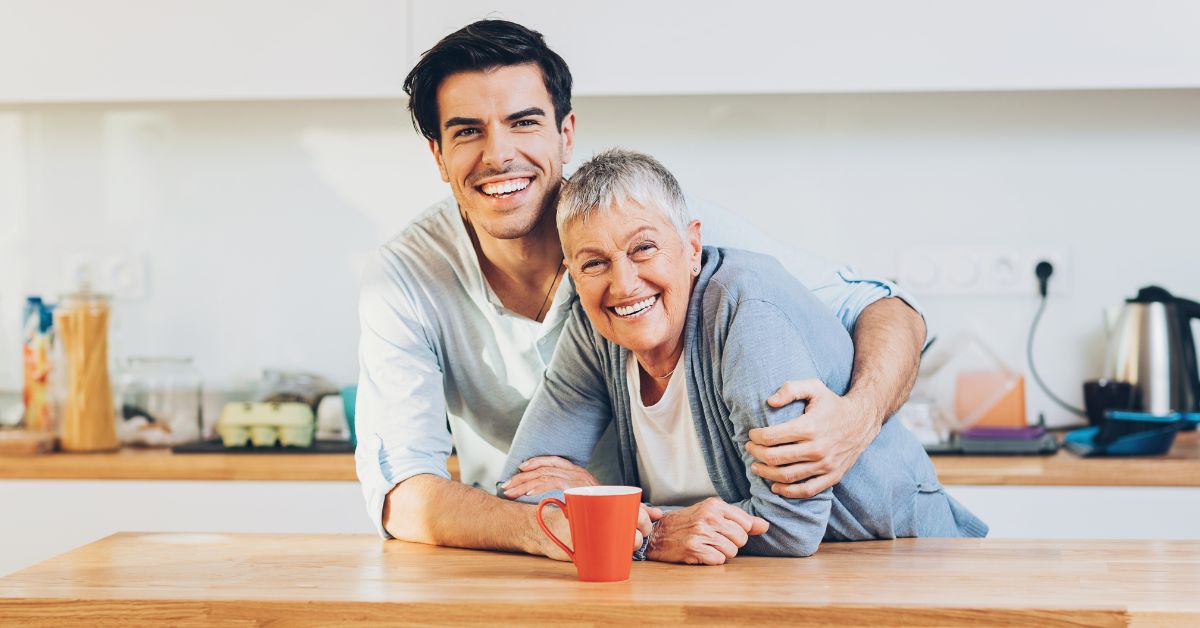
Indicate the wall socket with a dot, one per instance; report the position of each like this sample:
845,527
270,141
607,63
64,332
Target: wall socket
980,270
120,275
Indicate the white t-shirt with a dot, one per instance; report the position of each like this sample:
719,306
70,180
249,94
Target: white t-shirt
670,464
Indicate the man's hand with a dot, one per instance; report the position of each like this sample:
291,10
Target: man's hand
707,533
546,473
813,451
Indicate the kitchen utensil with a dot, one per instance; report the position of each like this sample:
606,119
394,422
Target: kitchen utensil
25,442
1150,346
603,522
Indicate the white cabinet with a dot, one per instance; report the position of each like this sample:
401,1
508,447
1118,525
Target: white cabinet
136,50
758,46
40,519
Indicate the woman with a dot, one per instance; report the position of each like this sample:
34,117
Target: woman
681,345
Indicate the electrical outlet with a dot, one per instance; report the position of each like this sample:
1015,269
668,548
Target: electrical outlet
119,275
125,276
980,270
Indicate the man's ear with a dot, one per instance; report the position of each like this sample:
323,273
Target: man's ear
567,133
436,149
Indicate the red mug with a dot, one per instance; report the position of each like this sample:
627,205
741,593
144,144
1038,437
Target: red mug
603,522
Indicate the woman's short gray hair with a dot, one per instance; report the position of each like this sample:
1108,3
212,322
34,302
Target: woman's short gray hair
617,175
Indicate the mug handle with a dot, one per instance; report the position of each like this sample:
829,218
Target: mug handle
550,501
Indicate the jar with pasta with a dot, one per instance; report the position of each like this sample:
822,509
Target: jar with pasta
89,417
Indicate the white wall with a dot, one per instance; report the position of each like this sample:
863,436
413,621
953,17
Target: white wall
252,217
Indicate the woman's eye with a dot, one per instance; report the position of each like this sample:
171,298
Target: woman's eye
644,249
591,265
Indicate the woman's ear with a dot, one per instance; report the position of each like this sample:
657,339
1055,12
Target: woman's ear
696,248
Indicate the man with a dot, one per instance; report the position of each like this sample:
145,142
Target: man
461,313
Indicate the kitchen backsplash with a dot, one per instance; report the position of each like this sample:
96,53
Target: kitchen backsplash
248,221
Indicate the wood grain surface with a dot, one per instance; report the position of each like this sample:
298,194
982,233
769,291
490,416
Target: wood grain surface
245,579
1181,467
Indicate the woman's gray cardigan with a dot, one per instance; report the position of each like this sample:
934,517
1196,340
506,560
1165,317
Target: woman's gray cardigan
750,327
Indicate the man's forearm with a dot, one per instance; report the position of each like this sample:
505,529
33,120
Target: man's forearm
888,338
434,510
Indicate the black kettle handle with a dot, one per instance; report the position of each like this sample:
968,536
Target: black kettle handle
1187,311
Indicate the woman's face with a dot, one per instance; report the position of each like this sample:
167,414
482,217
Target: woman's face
634,277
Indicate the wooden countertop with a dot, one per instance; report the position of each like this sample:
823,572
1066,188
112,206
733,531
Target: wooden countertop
159,579
1179,468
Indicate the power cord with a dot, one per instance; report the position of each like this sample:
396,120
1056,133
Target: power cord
1043,271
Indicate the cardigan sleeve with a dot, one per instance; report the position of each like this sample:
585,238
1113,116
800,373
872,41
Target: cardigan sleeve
765,347
569,410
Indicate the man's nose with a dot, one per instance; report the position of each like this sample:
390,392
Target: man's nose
498,150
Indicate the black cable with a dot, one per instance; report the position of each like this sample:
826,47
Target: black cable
1033,370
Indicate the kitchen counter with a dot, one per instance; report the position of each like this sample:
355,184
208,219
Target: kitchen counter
156,579
1179,468
162,464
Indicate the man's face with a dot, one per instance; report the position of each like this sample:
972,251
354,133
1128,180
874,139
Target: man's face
501,151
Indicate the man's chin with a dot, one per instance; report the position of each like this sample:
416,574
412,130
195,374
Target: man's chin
509,227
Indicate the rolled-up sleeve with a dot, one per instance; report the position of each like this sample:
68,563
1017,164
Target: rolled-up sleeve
400,413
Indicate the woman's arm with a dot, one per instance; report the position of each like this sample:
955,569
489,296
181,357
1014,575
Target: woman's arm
803,343
566,417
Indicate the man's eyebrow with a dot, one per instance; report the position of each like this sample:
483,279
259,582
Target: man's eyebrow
462,122
525,113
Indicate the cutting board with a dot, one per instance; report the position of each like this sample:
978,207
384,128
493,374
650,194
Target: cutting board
25,443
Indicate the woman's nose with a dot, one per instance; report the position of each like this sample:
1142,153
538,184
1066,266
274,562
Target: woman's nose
625,278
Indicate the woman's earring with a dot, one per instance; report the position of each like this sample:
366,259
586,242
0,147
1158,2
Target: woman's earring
695,270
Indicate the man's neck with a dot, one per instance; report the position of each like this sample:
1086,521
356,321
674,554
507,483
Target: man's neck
523,272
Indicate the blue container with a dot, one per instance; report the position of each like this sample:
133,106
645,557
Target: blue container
349,397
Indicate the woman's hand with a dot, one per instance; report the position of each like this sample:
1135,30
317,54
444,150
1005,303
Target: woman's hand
546,473
707,533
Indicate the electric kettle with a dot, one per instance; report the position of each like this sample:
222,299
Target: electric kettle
1150,346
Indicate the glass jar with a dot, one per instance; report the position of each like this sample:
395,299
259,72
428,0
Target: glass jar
160,401
88,422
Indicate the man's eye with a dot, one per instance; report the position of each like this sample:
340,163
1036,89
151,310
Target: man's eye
526,123
466,132
592,265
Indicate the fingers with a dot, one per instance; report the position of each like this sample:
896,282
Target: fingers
759,527
645,524
789,453
536,487
722,544
637,540
706,554
547,461
808,488
793,431
729,512
796,390
655,513
791,473
733,532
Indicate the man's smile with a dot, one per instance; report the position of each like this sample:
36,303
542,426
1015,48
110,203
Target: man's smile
503,187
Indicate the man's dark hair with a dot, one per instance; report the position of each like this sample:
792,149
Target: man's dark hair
484,45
